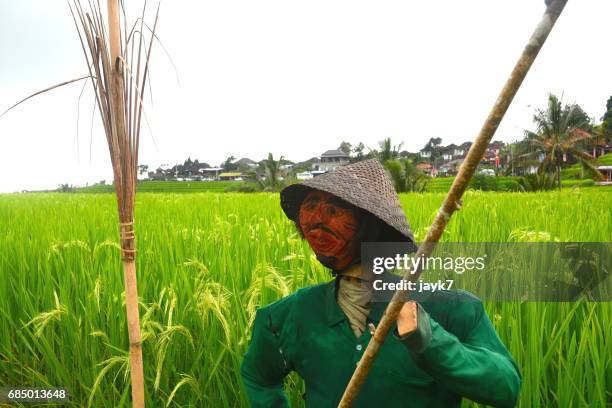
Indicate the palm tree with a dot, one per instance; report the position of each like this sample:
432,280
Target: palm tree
521,157
272,169
415,179
537,182
405,176
560,135
388,151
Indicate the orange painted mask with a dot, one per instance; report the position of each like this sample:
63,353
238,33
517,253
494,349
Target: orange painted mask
329,224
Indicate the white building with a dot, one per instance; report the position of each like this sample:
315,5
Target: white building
304,175
607,173
425,153
332,159
211,173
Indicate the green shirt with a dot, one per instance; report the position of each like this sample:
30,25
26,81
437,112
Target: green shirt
454,353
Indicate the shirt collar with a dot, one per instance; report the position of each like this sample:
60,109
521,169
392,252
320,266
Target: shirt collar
334,313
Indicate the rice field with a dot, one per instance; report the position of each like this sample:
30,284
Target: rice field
170,187
206,261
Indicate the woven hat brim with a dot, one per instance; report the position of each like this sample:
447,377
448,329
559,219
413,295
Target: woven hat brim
292,197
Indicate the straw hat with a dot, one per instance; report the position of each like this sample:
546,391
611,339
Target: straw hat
364,184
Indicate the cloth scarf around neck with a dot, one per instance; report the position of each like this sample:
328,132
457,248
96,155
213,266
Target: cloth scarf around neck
354,299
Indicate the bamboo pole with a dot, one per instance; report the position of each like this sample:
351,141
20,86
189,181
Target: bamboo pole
107,71
452,202
125,185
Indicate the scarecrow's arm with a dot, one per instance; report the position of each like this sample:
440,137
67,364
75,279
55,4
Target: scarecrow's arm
264,367
479,367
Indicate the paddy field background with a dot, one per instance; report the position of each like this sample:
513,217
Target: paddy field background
206,261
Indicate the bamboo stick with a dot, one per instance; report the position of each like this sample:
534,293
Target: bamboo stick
452,202
107,68
125,185
136,366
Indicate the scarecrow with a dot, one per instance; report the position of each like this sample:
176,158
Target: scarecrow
444,346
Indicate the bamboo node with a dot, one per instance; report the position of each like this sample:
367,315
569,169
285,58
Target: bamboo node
444,214
118,65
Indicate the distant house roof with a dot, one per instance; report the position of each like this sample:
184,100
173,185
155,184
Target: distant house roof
212,169
308,162
423,166
448,149
334,153
229,174
245,160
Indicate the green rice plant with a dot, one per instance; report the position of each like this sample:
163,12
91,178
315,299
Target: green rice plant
207,261
44,318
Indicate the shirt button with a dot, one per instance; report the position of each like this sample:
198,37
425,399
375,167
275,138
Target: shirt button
359,347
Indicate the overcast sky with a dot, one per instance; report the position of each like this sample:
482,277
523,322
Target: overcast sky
293,78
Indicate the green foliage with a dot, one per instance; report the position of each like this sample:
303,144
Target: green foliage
358,151
605,160
538,182
433,146
483,182
388,151
170,187
143,169
346,148
242,188
576,171
607,121
207,261
494,183
529,182
560,135
479,182
404,174
228,164
66,188
406,177
440,184
578,183
271,182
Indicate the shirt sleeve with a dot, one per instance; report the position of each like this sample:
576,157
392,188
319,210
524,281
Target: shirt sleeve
479,367
264,366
